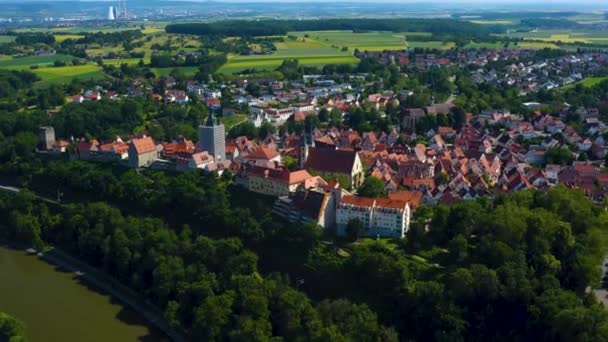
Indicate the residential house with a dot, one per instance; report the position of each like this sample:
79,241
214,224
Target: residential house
142,152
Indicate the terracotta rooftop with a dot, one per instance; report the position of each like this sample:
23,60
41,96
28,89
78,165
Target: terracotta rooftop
144,145
263,153
414,198
358,201
390,203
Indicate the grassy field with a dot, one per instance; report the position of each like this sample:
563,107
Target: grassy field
317,48
265,63
537,45
565,36
6,39
591,81
187,71
119,61
484,45
27,62
68,73
370,41
231,121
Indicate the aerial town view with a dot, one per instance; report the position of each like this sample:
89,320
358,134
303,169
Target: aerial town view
248,170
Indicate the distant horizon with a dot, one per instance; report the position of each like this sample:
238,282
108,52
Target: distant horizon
485,3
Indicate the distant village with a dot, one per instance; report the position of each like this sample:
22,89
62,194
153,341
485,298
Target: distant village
494,152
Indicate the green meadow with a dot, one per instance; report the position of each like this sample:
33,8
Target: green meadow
270,62
68,73
370,41
27,62
186,71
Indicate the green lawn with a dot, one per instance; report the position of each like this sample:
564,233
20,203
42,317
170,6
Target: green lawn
231,121
68,73
27,62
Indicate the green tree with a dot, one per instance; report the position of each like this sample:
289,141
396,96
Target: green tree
354,229
11,329
372,187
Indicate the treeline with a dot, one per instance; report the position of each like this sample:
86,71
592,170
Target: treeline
106,38
281,27
34,38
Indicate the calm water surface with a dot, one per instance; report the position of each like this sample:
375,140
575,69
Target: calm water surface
57,307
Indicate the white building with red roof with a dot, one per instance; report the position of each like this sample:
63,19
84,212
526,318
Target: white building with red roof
384,217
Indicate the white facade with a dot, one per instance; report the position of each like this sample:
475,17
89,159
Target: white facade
380,217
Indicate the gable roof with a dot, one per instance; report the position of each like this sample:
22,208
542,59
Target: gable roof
263,153
330,160
144,145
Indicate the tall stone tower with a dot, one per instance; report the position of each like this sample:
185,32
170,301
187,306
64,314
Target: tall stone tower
212,138
46,138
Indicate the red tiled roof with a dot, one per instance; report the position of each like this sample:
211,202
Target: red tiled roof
414,198
143,145
330,160
263,153
390,203
358,201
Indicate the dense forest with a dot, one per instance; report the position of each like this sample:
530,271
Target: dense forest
281,27
222,268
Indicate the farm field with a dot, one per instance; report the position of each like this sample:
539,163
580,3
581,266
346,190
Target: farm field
119,61
484,45
27,62
270,62
537,45
68,73
370,41
187,71
565,36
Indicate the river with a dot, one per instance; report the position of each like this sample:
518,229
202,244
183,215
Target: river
57,307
